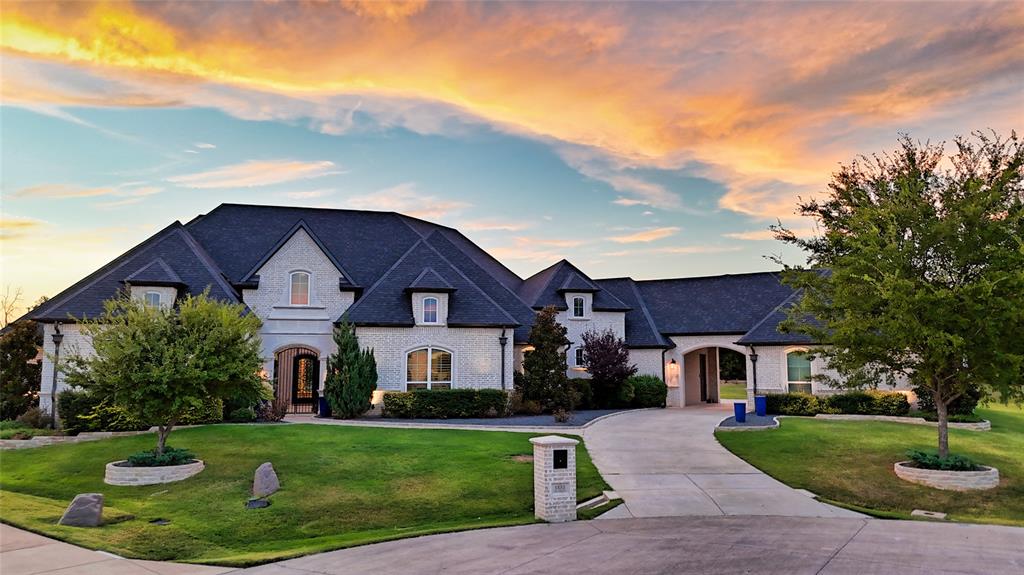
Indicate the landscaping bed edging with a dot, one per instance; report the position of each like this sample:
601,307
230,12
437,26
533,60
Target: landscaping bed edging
979,426
743,427
987,478
123,475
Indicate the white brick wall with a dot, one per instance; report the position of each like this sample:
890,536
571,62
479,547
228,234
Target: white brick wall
772,372
75,343
476,361
591,321
647,361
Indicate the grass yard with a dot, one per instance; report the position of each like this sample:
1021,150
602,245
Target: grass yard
732,390
340,486
850,463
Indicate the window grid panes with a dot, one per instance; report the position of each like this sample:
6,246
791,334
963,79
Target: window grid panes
430,310
153,299
579,357
798,365
428,368
577,307
300,288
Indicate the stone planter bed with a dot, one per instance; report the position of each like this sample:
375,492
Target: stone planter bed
986,478
754,423
41,440
979,426
119,474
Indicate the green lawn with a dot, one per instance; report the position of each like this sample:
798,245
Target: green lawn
732,390
340,486
850,462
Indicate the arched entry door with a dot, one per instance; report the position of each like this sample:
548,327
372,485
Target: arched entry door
298,378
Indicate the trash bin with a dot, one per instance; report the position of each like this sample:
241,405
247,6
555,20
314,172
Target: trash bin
761,405
740,410
324,408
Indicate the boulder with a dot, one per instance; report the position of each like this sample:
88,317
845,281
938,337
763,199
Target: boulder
265,482
86,510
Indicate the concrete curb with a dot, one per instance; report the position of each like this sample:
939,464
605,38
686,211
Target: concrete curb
720,427
984,425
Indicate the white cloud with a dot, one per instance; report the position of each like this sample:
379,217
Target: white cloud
674,250
255,173
406,199
494,225
204,146
310,194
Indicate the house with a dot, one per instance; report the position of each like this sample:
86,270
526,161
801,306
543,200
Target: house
438,311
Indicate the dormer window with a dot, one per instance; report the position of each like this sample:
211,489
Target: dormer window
152,298
299,288
578,306
430,310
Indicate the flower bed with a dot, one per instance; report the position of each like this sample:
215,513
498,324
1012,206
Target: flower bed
120,473
984,478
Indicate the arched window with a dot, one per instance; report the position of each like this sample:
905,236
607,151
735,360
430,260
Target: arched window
152,298
430,310
798,370
578,307
428,368
299,288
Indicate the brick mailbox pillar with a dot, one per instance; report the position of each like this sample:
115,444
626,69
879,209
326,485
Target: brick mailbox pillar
554,478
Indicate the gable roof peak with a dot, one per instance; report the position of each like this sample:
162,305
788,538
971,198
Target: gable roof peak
299,225
429,281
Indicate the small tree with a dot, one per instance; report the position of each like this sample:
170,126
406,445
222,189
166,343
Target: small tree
160,362
351,374
606,358
544,377
925,272
19,375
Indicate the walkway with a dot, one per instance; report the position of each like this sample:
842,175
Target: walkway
522,424
783,545
26,553
667,463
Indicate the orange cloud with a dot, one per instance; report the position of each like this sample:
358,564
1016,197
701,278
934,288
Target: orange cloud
407,199
645,235
255,173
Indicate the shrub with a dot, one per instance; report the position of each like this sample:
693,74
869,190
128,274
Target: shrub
444,404
792,404
242,415
624,395
889,403
851,402
931,460
34,418
351,374
211,410
81,411
19,375
544,379
607,360
271,411
153,458
584,394
963,405
648,391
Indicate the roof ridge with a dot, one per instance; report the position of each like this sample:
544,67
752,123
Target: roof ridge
381,279
471,282
771,313
159,261
646,312
776,272
300,224
209,263
77,287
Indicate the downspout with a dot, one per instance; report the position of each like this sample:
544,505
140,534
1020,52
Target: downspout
502,340
57,338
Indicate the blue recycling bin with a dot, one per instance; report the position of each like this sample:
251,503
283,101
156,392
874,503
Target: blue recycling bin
761,405
325,408
740,410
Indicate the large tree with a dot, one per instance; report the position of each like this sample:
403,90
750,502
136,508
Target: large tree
19,373
606,358
917,270
160,362
544,379
351,374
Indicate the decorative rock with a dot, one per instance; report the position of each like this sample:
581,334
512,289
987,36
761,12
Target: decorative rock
256,503
86,510
265,481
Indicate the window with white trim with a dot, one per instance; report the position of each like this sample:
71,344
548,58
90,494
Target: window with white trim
578,306
430,310
578,357
798,371
152,298
299,288
428,368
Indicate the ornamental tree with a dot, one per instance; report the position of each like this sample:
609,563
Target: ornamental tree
606,358
351,374
544,377
159,362
19,375
917,270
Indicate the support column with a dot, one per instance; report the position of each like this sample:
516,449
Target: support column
554,478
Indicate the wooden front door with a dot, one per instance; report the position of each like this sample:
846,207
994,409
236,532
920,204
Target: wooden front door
298,379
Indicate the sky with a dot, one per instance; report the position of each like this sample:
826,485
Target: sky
640,139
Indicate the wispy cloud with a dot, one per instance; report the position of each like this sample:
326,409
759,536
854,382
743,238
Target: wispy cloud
130,192
535,249
309,194
15,227
674,250
645,235
204,146
494,225
256,173
406,198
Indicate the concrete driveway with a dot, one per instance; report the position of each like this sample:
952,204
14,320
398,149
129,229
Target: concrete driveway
667,463
764,545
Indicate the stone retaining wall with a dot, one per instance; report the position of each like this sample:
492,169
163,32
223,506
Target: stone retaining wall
41,440
979,426
118,475
987,478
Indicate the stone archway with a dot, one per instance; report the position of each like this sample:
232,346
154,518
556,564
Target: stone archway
297,378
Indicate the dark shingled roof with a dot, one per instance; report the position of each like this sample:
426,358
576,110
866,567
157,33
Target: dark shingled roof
728,304
641,330
429,281
155,273
545,288
766,331
179,251
387,302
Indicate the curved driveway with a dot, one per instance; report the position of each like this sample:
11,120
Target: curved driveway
667,463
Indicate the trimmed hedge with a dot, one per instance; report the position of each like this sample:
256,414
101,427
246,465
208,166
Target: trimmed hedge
963,405
851,403
445,404
83,411
211,411
648,391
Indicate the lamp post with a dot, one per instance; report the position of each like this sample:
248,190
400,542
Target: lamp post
753,364
503,341
57,338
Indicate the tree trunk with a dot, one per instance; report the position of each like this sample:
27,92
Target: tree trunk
942,410
161,438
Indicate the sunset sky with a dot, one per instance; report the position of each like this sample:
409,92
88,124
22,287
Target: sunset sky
651,140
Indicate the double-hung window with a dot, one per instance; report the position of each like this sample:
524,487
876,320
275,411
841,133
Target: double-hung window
578,306
798,371
299,286
430,310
